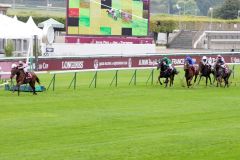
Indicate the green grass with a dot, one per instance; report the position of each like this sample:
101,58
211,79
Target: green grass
128,122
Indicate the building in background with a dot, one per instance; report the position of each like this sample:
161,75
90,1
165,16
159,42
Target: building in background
4,8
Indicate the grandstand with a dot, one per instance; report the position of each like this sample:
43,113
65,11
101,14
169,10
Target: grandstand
34,3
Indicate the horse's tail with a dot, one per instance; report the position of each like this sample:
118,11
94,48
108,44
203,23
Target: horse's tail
38,80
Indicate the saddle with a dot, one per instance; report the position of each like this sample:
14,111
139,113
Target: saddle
28,76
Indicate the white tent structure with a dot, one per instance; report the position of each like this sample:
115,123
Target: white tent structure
33,27
11,28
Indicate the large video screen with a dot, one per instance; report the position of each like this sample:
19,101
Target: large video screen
108,17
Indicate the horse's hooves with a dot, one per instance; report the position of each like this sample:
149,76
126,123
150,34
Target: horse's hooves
34,93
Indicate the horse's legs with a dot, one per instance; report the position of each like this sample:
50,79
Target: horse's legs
187,80
32,84
171,80
206,80
210,79
18,88
159,80
195,79
199,79
166,82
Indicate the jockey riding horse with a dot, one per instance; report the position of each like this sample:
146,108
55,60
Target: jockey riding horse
21,78
166,71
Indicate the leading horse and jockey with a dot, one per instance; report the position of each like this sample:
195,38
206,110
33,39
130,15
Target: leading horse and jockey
24,77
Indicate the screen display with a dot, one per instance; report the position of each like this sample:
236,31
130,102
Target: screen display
108,17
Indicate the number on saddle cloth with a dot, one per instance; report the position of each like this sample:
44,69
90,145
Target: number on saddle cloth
28,75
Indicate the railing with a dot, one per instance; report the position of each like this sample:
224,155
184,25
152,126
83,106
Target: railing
94,80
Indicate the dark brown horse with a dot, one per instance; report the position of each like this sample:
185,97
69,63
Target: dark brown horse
166,73
222,74
190,72
21,78
205,70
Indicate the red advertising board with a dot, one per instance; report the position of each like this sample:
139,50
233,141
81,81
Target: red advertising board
80,63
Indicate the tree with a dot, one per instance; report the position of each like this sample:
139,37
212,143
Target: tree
204,5
8,49
229,9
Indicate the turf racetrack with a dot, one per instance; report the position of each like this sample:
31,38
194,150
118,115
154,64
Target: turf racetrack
128,122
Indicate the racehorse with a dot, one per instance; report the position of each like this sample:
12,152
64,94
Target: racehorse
190,72
206,71
21,78
166,73
222,74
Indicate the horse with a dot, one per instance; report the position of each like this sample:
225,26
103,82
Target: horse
190,72
222,74
206,71
21,78
166,73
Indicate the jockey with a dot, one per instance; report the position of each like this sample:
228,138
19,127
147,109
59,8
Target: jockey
23,66
205,60
220,61
167,62
14,66
189,60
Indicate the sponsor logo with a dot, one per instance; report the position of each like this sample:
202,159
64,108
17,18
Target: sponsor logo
130,62
114,63
49,49
147,62
72,64
95,64
178,61
43,66
235,60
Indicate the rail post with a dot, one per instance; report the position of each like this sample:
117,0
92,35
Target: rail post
134,77
52,82
150,76
94,80
115,78
74,80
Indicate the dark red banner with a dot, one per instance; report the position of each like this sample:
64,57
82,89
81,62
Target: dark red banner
80,63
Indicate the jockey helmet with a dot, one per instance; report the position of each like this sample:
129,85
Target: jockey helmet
219,56
14,65
204,58
20,62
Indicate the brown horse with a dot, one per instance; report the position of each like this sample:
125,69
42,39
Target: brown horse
222,74
166,73
23,79
206,70
190,72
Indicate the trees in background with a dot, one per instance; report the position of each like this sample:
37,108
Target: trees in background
229,10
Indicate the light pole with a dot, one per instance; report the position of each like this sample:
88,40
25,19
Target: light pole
238,14
13,4
211,12
179,11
